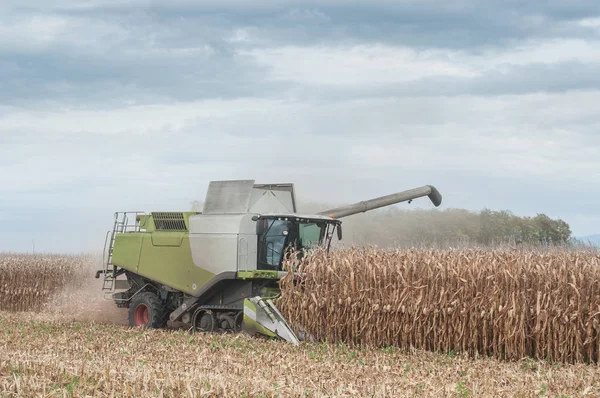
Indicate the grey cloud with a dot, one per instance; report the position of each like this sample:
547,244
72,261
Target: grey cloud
471,137
527,79
416,23
148,59
121,76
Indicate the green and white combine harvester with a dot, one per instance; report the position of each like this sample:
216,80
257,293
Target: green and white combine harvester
218,270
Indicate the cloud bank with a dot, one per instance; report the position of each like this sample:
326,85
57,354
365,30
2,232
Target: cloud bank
127,105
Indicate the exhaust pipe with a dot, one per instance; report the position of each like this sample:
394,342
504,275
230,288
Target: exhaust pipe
428,190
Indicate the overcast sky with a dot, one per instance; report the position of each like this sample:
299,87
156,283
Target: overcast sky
136,105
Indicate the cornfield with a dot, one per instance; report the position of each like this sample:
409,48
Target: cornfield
28,282
505,304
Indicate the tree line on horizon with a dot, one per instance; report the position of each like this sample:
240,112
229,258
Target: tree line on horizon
394,227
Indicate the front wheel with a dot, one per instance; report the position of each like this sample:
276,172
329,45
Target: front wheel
148,311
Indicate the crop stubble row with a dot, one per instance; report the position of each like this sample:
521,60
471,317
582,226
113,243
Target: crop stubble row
39,358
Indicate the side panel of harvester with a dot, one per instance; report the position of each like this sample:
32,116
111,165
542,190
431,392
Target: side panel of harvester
161,255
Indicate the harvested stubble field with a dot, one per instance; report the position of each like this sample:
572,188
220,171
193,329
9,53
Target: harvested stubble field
52,359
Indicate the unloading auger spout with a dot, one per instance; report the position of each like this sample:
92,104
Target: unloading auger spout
428,190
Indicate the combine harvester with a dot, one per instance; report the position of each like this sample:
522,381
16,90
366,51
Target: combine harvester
219,270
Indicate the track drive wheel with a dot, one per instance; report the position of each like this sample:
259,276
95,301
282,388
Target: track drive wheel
239,319
204,321
147,310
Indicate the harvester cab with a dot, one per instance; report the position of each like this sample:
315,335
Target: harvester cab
218,270
276,233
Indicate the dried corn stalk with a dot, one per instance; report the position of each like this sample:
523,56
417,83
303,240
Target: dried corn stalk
505,304
27,282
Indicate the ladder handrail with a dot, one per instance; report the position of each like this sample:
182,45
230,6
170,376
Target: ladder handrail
120,225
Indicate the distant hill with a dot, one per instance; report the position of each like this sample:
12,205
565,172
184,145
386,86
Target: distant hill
593,239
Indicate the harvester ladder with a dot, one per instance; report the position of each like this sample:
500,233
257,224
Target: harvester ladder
120,225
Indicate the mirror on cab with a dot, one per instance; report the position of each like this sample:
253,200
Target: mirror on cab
261,225
339,231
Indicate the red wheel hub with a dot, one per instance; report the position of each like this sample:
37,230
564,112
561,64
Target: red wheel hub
141,315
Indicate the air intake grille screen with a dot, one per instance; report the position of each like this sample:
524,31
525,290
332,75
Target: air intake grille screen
169,221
